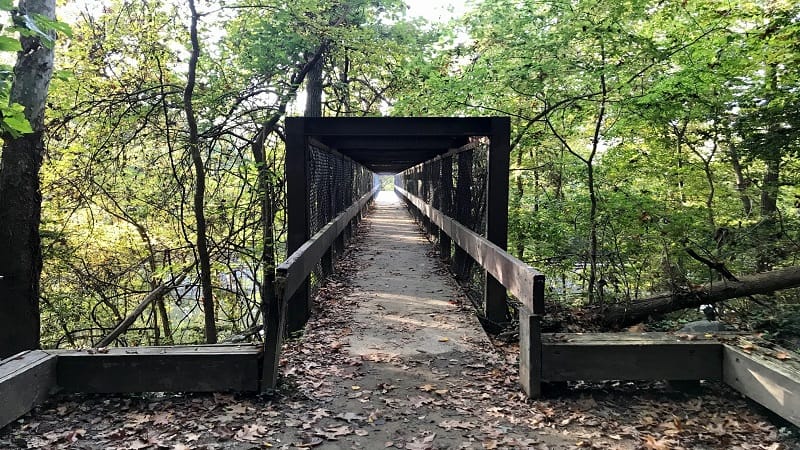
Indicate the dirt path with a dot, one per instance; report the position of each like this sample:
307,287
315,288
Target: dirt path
393,358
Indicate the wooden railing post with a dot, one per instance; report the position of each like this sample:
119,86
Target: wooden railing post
274,317
530,342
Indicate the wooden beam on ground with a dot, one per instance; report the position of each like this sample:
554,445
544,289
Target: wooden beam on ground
629,356
200,368
773,383
512,273
26,379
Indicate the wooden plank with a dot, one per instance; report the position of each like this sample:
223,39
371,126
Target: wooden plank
530,353
495,299
774,385
631,360
302,261
633,338
26,379
211,368
512,273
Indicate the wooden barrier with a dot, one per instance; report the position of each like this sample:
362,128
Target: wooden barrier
629,356
26,380
774,383
196,368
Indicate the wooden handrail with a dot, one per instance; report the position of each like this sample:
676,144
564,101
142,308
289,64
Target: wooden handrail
522,280
298,266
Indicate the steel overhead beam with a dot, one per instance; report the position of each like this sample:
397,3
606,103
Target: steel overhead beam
398,126
379,143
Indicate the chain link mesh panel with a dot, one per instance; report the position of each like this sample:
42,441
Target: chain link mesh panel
456,185
334,183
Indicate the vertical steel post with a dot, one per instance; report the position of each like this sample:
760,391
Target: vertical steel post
297,211
495,302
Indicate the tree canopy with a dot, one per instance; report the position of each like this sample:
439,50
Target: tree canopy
644,133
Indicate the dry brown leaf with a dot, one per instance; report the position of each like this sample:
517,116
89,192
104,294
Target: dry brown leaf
449,424
421,442
311,441
783,356
650,443
138,444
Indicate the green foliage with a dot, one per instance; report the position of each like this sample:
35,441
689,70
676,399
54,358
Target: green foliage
648,125
13,121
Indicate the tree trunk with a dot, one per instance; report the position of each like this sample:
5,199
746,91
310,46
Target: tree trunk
738,172
203,255
20,199
314,90
769,186
762,283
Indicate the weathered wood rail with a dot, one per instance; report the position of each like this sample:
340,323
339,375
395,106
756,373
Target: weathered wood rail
774,383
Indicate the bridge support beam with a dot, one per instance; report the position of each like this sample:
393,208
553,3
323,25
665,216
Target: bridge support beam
495,302
299,307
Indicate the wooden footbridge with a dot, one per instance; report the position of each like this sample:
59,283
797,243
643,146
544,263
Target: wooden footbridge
453,175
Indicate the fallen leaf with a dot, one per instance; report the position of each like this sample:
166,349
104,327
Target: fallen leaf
650,443
448,424
250,433
783,356
138,445
421,442
427,387
334,433
311,441
444,339
349,417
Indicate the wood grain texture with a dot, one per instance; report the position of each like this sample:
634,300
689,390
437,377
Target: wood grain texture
530,353
768,381
203,368
638,359
26,379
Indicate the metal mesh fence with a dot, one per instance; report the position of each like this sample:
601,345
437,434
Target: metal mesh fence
456,185
334,183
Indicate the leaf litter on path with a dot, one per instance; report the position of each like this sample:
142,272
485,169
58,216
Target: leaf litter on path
467,398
